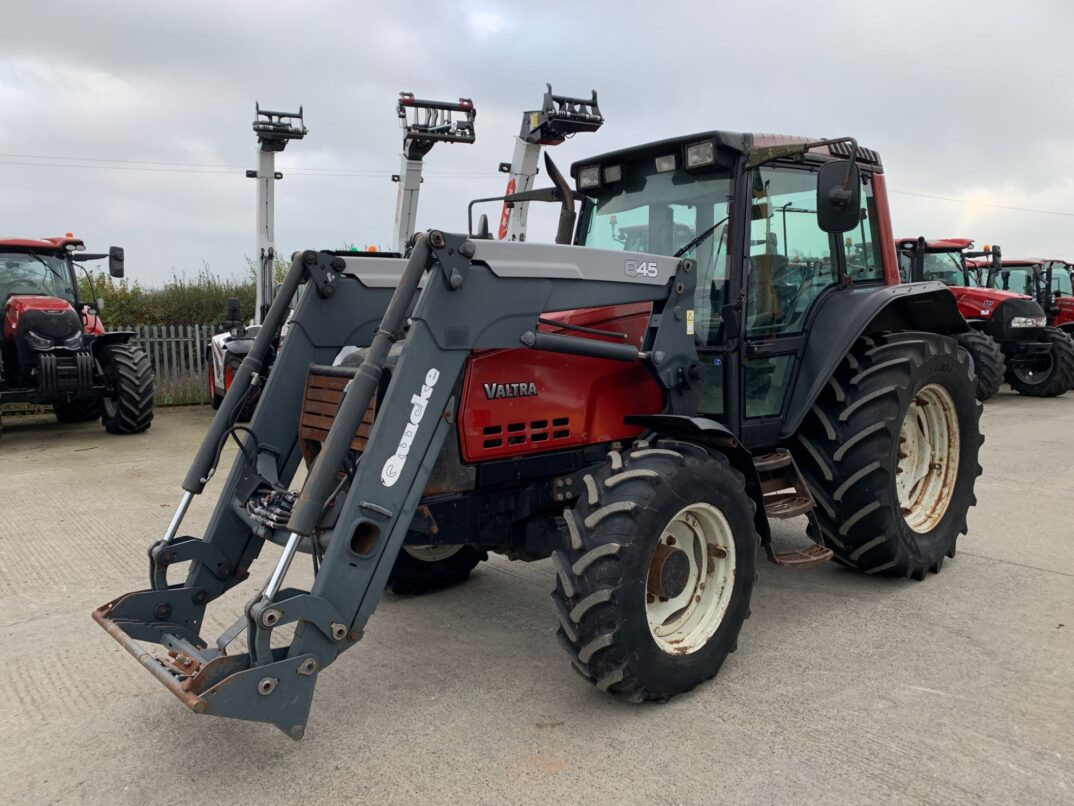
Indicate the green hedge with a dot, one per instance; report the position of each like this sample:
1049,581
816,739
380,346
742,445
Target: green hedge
201,300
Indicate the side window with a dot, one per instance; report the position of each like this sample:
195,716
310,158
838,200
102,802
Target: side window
790,256
863,243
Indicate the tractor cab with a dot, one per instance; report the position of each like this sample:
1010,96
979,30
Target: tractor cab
710,196
1046,281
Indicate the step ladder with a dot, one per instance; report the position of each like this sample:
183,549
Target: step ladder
786,495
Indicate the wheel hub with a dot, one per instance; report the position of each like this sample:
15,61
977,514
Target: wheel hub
669,572
928,458
690,579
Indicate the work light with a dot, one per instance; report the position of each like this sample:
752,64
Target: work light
700,154
589,176
665,163
613,173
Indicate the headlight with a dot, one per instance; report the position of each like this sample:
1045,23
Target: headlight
589,176
37,341
1028,321
73,342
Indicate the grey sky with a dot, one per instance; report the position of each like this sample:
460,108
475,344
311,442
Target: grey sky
970,100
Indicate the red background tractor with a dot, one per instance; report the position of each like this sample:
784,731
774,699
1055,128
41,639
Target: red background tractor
55,349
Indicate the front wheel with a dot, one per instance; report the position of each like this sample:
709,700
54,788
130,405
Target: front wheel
656,572
128,407
420,569
988,362
1053,379
890,453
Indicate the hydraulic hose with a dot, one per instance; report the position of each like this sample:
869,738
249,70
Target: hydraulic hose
323,478
198,474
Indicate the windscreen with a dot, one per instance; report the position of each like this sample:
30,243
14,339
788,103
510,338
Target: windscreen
667,214
28,273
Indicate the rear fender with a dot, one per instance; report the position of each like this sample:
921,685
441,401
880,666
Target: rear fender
845,317
714,436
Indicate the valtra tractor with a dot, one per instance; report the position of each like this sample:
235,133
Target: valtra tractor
55,349
1009,340
638,417
1044,282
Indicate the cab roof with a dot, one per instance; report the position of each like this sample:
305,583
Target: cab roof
40,244
941,244
739,142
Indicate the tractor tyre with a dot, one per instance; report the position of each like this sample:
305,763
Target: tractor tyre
988,362
1060,374
656,570
890,453
80,410
420,569
129,407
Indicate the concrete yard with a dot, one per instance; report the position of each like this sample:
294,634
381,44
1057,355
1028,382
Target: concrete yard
845,688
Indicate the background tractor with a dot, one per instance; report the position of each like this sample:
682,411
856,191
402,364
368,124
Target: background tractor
1009,340
1051,371
638,417
55,349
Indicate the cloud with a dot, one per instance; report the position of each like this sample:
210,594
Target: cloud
967,100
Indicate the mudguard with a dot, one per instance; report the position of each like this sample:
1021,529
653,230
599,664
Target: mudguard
844,318
716,435
112,337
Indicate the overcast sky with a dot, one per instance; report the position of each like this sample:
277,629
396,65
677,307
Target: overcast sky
967,100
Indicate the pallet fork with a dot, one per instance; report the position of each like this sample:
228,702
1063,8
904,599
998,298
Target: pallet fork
274,131
459,294
559,117
424,123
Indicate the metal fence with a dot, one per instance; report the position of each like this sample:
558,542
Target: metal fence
177,353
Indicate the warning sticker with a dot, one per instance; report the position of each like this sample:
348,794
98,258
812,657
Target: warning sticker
690,322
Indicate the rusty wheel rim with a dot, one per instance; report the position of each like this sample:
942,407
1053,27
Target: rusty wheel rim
928,458
685,621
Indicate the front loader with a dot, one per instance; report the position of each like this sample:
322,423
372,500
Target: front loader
638,417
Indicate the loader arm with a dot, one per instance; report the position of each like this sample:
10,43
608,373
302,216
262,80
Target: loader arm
458,295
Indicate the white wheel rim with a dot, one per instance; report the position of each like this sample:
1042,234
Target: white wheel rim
432,554
928,458
685,623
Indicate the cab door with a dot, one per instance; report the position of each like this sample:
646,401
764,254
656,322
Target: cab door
791,266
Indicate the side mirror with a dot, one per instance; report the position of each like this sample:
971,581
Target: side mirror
115,261
838,196
234,315
100,304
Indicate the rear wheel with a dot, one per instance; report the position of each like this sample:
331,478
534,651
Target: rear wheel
419,569
82,410
1054,379
890,453
654,579
128,409
988,363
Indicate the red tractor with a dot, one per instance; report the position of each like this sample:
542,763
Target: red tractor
1044,282
55,349
1010,340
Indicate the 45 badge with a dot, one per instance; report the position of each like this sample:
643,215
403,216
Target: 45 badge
641,268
